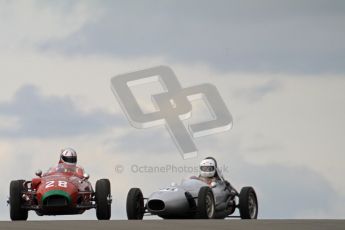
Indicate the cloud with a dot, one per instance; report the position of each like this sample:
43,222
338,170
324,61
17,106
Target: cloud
275,36
155,140
43,117
255,93
25,23
289,191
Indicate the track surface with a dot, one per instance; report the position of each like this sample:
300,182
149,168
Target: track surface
176,224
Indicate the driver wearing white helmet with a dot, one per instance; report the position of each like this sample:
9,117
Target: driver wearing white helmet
68,159
209,173
208,170
68,156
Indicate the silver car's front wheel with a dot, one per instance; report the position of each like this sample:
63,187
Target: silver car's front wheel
135,204
206,206
209,206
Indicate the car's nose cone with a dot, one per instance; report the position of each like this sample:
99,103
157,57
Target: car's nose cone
56,198
168,202
156,205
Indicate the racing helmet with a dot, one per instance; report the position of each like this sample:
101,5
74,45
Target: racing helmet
68,156
208,167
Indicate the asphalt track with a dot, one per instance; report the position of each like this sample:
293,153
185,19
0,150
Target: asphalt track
176,224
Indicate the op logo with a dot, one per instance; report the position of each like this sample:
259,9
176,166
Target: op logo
172,106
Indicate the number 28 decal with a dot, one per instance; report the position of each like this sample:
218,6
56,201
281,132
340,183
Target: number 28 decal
60,183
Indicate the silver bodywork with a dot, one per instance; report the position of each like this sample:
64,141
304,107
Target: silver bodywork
180,201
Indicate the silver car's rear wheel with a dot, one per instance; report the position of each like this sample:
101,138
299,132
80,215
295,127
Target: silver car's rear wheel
252,206
248,203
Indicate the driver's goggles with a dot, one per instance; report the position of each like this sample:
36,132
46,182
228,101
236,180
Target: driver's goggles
207,168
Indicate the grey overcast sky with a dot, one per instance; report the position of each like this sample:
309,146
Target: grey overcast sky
280,36
278,65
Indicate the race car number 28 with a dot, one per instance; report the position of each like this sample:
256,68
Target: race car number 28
60,183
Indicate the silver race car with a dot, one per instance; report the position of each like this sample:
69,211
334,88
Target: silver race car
194,198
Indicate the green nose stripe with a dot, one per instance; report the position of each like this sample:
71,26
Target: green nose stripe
57,193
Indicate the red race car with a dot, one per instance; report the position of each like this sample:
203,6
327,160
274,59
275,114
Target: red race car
63,190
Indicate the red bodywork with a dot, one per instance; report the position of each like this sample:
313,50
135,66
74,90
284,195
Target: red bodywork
62,190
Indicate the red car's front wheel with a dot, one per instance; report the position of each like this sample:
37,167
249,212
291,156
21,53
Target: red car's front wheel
103,199
16,201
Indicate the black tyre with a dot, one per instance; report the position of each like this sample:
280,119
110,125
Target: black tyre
103,199
248,203
206,205
16,201
135,204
